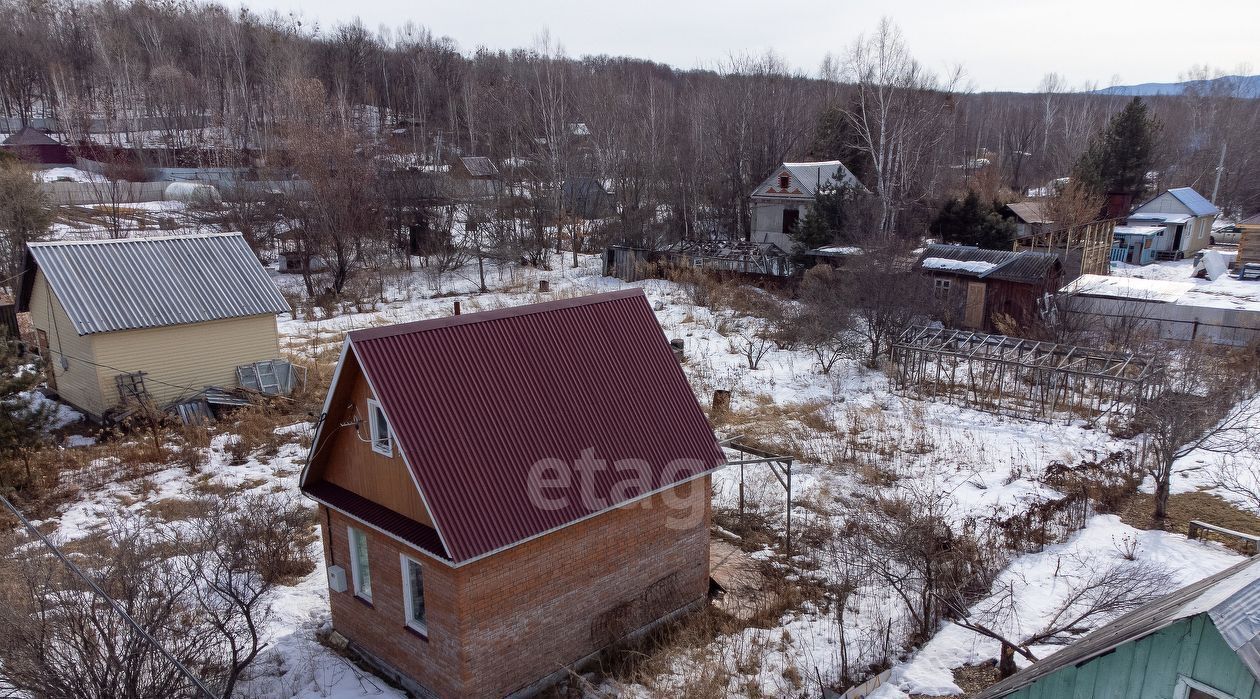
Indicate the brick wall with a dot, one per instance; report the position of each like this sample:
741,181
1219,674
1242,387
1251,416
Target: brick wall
380,627
499,624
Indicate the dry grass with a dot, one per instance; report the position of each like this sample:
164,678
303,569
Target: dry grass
1183,507
177,509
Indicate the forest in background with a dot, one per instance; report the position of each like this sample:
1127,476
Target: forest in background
681,149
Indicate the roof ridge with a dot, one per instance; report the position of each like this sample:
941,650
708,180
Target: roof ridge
426,325
100,241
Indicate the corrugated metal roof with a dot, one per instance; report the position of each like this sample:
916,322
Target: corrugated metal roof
1225,596
1197,203
808,177
478,401
109,285
1024,266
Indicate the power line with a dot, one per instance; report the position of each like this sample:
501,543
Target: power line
109,600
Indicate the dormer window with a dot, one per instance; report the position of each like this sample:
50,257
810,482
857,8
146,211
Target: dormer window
784,181
379,426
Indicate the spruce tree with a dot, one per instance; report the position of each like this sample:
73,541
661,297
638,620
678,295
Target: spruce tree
971,222
825,222
1119,156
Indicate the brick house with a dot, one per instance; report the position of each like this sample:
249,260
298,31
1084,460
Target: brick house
476,544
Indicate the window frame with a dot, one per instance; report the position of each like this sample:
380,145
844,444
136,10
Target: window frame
355,578
381,445
1185,684
941,286
785,181
420,627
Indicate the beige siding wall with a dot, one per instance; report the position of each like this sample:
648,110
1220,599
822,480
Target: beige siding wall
194,356
78,383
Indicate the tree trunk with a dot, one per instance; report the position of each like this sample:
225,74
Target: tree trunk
1006,664
1162,488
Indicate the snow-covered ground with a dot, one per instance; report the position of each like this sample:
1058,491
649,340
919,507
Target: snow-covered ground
67,174
973,463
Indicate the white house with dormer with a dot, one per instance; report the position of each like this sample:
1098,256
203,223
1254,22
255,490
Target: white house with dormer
785,197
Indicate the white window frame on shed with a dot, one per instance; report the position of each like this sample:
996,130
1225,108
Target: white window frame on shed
362,583
419,625
381,444
1185,684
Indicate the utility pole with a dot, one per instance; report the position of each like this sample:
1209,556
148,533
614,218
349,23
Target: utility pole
1220,167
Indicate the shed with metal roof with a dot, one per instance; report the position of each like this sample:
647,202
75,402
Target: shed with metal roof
1199,642
978,288
154,319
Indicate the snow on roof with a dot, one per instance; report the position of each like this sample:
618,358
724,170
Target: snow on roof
808,178
1139,230
1197,203
1156,290
839,250
1166,218
974,266
1228,598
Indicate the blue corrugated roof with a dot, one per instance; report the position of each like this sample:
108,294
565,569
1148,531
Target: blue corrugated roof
1197,203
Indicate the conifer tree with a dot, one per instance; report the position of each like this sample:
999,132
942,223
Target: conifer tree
972,222
1119,156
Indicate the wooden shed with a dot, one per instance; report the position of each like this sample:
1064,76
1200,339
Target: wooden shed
978,287
1200,642
157,319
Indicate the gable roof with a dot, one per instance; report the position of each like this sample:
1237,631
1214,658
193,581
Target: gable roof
483,405
1196,203
806,179
1229,598
110,285
30,137
1025,266
1030,211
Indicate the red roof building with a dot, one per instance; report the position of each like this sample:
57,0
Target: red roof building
38,147
502,494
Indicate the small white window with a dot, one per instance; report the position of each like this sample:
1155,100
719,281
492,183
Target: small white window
413,594
381,443
940,287
359,568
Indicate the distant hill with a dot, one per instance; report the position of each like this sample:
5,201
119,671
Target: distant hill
1247,86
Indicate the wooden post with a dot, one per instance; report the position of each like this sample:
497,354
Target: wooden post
457,308
544,286
721,402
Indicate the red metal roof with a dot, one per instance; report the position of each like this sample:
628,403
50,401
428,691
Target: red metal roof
476,401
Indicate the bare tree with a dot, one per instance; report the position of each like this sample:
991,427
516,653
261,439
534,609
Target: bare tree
25,215
1096,595
899,115
1197,411
885,296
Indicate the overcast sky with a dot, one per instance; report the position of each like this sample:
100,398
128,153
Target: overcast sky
1001,45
